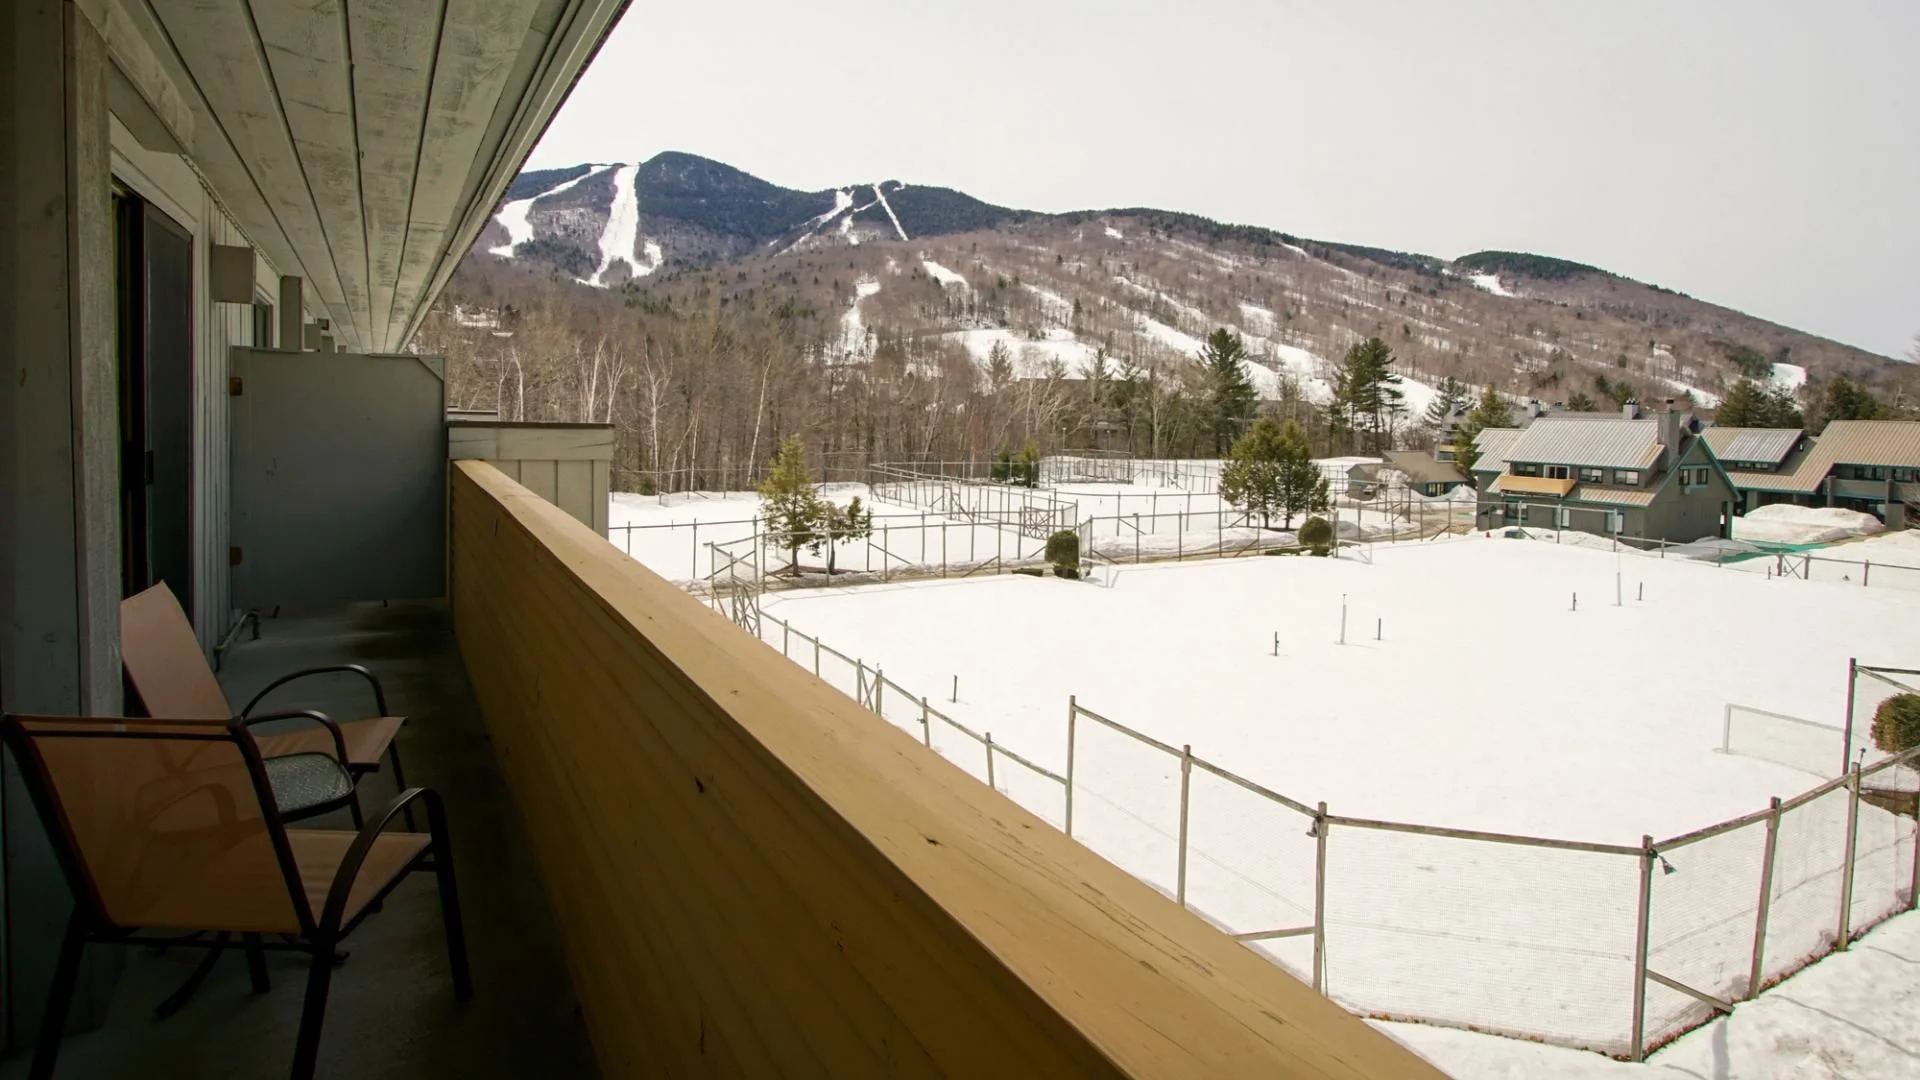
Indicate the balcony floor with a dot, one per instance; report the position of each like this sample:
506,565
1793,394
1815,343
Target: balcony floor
391,1012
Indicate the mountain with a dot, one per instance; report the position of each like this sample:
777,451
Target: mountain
700,212
689,256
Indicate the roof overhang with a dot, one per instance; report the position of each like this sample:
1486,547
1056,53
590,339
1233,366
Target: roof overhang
359,146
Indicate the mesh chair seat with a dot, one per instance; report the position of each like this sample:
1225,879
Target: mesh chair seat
305,781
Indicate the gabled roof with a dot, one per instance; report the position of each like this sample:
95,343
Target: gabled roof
1424,468
1889,443
1771,445
1613,442
1493,444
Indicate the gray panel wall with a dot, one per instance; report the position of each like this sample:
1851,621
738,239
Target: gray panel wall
339,479
569,465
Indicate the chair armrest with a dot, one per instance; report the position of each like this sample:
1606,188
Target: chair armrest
343,878
379,694
339,740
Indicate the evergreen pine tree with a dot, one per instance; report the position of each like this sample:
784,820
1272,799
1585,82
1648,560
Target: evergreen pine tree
1748,404
1581,401
1843,399
1491,411
1230,395
1367,385
1447,397
840,523
1302,488
1250,480
790,503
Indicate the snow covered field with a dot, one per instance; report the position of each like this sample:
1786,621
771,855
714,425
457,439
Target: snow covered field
1487,702
1122,522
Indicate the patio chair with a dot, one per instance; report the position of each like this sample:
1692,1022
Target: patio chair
164,828
164,662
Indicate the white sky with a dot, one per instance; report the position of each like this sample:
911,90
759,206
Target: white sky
1763,154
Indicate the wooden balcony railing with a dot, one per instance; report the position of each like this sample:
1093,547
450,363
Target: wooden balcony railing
756,877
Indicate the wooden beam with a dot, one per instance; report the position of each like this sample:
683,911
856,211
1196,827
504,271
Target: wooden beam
757,877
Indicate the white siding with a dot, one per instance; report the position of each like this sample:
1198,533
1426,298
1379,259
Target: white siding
167,182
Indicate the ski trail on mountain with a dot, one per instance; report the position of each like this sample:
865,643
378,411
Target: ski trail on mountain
514,216
881,197
622,234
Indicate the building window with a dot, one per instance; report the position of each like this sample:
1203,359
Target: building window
262,325
1693,476
1629,477
1593,476
1903,476
1443,453
1558,472
1876,472
1525,468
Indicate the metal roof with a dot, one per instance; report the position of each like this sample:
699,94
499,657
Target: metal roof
1615,442
1424,468
1892,443
1614,496
1752,444
1493,444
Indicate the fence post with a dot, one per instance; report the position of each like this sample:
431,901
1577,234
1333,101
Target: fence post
816,658
786,632
860,682
879,687
1320,898
1846,748
1866,571
1186,783
1638,1045
1073,711
1766,901
926,722
886,549
696,550
1846,882
943,548
989,739
1913,886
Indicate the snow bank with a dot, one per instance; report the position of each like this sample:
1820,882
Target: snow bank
1786,524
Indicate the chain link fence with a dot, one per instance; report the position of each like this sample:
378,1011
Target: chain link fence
1616,948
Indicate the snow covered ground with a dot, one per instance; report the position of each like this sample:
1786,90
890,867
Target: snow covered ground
1490,283
1789,376
622,234
1473,692
1854,1016
514,216
945,276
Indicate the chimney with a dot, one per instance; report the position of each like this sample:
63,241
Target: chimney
1670,425
1630,409
1533,408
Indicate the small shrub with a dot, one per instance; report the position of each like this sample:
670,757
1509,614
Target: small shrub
1063,550
1066,572
1316,533
1320,550
1896,723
